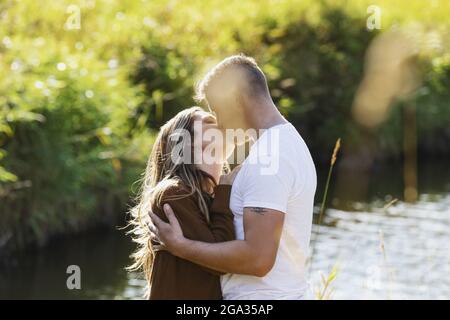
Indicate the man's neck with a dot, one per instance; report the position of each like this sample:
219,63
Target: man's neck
265,116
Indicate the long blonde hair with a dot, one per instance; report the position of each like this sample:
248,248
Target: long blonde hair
162,172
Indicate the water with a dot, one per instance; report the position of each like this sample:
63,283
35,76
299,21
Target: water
101,255
414,264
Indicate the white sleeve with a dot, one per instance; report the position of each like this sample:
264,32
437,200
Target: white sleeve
268,189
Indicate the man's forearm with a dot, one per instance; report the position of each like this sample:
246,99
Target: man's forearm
235,256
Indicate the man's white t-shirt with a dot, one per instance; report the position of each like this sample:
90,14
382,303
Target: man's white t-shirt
278,174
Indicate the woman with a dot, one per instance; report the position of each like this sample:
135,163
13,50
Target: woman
201,205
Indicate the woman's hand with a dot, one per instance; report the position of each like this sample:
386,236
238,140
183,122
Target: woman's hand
229,178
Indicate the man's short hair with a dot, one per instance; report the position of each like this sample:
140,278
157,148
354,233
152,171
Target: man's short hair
257,83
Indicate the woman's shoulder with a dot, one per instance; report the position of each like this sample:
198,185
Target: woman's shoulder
173,187
170,189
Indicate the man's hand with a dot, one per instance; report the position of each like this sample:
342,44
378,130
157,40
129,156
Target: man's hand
169,234
255,255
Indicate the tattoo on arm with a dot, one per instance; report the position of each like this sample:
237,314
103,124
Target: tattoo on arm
258,210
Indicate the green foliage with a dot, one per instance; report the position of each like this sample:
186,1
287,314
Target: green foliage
66,108
77,106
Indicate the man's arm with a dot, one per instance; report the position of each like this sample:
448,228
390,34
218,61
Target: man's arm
255,255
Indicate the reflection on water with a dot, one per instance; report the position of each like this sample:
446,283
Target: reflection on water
101,256
415,262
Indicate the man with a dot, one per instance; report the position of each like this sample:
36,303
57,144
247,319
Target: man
272,195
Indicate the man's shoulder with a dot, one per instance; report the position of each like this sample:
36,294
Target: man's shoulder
285,146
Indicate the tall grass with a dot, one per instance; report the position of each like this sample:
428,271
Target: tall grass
325,292
325,194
